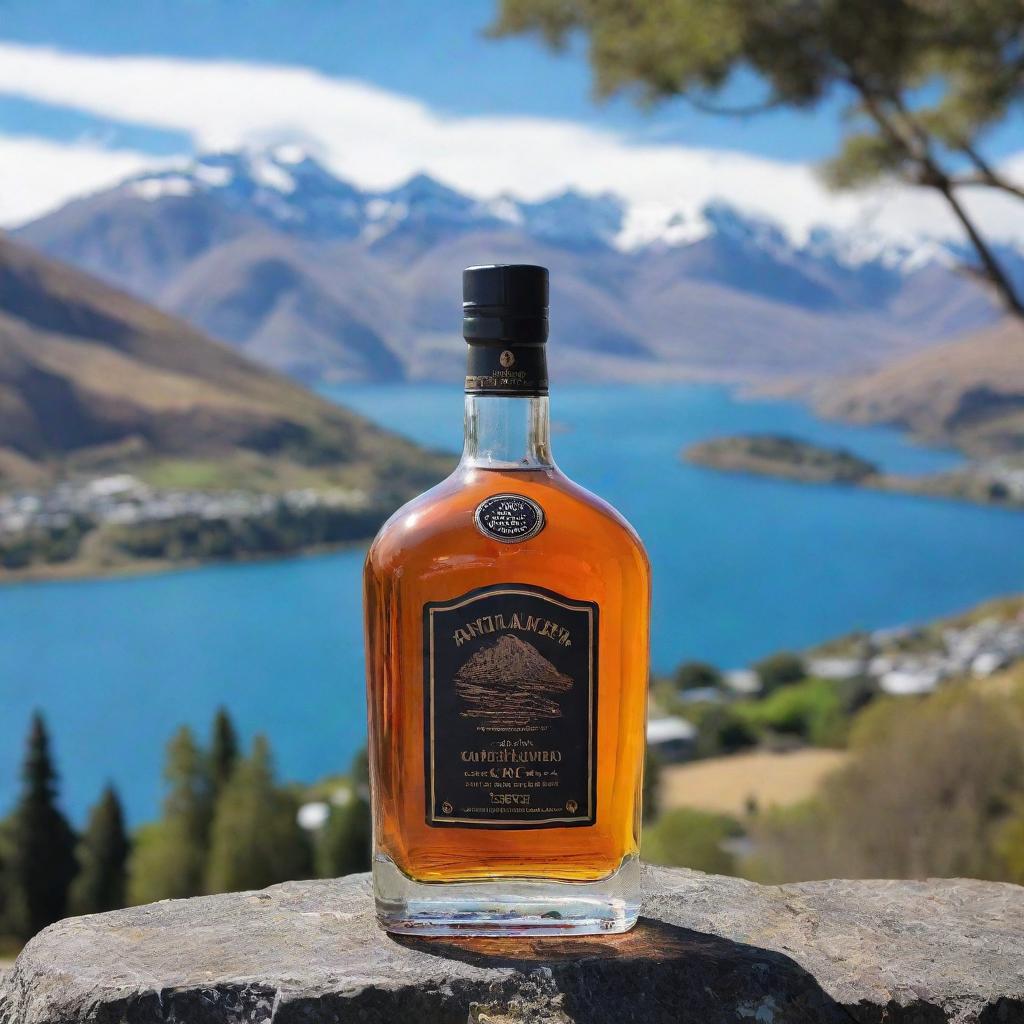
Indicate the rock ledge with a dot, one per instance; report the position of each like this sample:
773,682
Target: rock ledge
708,949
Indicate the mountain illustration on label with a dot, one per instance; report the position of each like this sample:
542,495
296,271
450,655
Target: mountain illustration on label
510,683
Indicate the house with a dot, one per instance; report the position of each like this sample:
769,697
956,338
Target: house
672,738
836,668
910,681
743,681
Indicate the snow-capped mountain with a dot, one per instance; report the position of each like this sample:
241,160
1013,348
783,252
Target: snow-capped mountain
270,250
292,191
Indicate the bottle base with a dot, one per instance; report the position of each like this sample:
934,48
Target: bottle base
507,906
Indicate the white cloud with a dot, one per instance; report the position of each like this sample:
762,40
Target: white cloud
376,139
36,175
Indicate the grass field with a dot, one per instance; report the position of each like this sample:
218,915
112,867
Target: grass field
725,784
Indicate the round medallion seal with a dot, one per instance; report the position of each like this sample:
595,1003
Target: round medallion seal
509,518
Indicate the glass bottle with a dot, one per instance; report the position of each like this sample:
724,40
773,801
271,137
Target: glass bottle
507,614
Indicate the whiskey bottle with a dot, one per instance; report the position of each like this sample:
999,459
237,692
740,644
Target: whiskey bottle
507,619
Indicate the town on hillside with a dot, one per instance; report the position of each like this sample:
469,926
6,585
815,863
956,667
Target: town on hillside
124,519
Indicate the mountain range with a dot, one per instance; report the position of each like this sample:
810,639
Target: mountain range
93,379
272,253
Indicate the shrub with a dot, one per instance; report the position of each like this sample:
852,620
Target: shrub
723,729
652,785
1010,847
930,790
812,709
779,669
692,839
694,675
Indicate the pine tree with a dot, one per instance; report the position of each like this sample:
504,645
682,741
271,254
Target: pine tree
223,750
256,839
345,843
40,861
102,858
5,881
169,857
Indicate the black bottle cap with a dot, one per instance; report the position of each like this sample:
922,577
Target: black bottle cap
506,303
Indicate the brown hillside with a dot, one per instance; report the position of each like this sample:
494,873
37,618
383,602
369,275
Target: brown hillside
90,377
969,392
308,318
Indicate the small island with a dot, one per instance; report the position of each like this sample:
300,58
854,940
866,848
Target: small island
992,482
781,456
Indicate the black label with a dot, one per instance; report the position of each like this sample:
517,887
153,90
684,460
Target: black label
509,517
510,709
497,369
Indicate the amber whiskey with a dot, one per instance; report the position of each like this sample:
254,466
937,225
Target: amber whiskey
507,659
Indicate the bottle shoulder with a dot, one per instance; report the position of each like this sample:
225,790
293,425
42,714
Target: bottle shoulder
607,511
438,525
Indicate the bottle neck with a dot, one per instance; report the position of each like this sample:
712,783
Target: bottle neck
507,432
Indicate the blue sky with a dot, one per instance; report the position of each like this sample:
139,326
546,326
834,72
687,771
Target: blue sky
92,92
431,50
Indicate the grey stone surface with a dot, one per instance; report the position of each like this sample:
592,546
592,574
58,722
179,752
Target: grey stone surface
708,949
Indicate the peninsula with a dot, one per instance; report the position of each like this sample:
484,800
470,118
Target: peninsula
998,481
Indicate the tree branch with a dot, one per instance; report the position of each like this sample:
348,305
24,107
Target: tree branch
974,180
916,145
993,271
986,175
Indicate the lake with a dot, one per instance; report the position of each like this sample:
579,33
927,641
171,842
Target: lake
742,566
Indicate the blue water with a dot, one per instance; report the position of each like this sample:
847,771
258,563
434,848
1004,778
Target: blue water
742,566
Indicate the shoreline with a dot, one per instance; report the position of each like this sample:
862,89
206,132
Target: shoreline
799,393
75,572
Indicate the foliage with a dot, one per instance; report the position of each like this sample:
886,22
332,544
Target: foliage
51,546
693,839
812,709
1010,846
6,852
651,798
193,538
929,790
102,859
255,840
696,675
168,860
923,79
187,775
345,843
223,751
722,729
225,825
344,846
40,859
779,669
